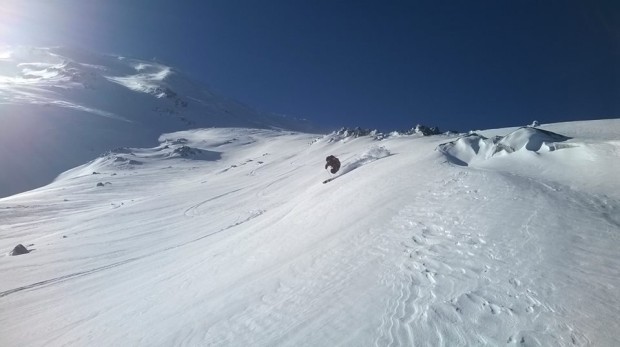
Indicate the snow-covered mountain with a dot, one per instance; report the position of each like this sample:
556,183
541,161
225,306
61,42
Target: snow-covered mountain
228,237
60,107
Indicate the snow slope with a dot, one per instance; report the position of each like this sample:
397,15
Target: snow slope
59,107
228,237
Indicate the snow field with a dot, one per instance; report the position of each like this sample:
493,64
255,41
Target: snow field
241,244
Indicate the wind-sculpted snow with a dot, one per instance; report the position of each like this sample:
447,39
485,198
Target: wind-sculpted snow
532,139
540,154
453,286
246,247
128,158
473,147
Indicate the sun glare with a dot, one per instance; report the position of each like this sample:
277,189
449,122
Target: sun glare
11,24
26,22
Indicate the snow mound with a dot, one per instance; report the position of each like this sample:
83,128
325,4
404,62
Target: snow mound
126,158
532,139
475,147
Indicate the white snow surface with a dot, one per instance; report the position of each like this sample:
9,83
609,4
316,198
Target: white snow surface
60,107
228,237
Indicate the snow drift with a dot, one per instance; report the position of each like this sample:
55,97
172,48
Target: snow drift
474,147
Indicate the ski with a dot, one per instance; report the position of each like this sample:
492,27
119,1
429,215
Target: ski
330,179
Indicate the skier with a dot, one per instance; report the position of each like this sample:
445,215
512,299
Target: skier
332,162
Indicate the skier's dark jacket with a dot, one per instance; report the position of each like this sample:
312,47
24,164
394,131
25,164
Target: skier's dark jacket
334,163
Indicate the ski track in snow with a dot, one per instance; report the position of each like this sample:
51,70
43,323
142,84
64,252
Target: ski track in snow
64,278
194,210
116,264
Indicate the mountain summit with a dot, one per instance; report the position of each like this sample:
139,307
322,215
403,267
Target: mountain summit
60,107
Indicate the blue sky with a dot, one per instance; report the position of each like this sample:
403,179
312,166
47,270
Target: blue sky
377,64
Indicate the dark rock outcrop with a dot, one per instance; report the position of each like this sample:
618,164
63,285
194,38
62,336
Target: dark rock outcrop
19,250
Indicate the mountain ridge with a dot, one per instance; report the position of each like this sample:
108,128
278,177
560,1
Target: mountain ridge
87,103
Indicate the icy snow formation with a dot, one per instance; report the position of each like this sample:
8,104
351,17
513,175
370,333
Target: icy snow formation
246,246
474,147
